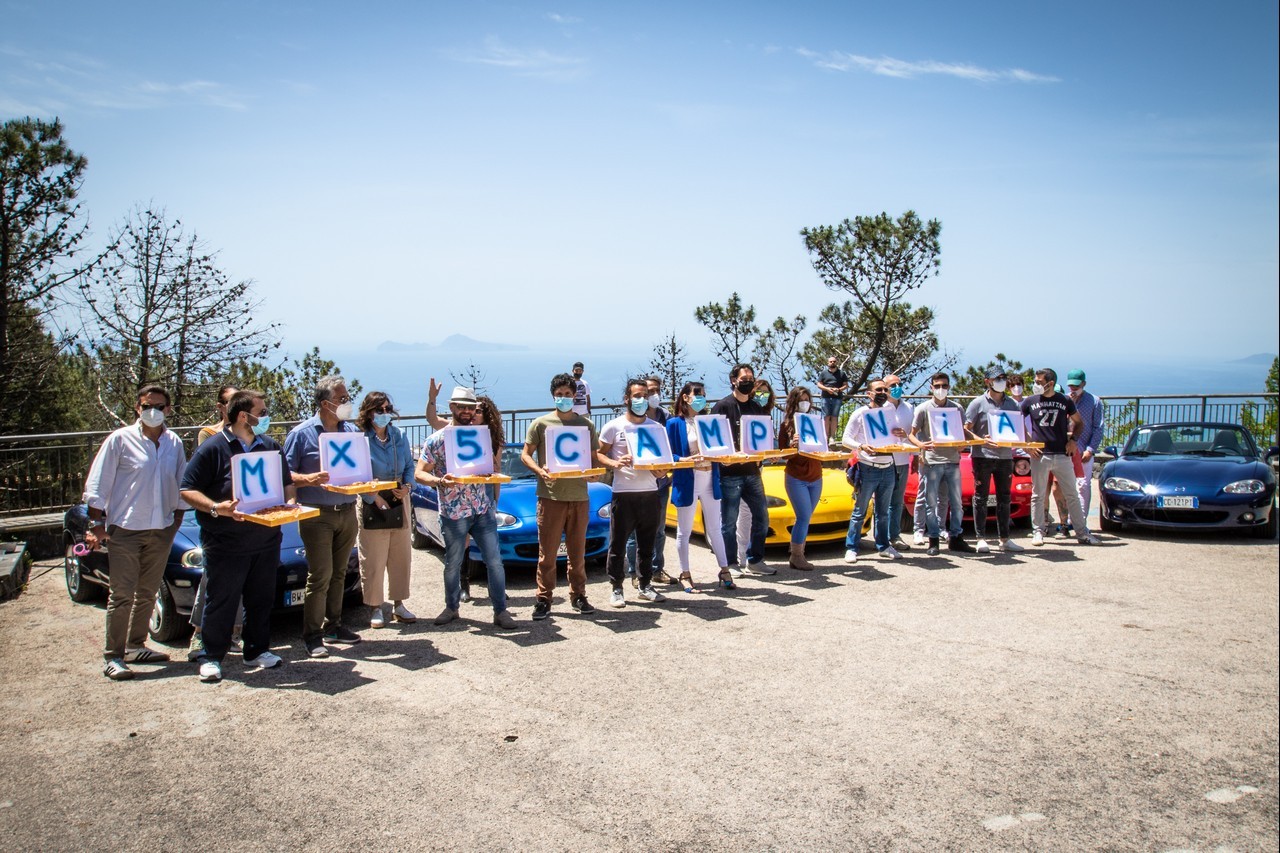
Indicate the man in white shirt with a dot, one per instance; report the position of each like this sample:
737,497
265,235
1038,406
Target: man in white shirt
134,504
877,476
581,392
900,413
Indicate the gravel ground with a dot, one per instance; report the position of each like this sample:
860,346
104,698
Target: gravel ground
1122,697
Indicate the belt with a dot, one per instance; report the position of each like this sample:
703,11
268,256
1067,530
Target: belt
335,507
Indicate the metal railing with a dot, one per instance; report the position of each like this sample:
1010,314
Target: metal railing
46,473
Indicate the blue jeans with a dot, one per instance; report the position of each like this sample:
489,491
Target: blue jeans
937,477
484,530
659,539
876,483
804,497
896,507
748,490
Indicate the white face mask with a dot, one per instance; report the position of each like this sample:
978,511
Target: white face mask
344,412
939,393
999,385
1036,389
152,417
1016,390
654,401
802,406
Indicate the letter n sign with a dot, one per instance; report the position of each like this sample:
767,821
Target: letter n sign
256,480
345,457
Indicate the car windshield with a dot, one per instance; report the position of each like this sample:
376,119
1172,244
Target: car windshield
512,465
1190,440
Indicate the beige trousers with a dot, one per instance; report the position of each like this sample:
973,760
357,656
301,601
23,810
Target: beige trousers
386,553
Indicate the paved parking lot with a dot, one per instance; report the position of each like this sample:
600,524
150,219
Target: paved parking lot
1122,697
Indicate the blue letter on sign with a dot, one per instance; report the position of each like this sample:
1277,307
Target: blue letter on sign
807,432
946,427
468,447
340,454
570,456
645,445
759,432
248,468
1005,424
876,423
709,430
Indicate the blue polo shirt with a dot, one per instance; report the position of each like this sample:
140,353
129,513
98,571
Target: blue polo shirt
302,453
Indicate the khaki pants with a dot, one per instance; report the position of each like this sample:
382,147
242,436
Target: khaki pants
136,561
328,539
556,518
386,553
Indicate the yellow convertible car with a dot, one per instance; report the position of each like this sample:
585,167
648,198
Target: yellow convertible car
830,520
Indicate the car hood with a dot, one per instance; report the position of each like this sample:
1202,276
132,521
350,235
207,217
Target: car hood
1188,469
520,498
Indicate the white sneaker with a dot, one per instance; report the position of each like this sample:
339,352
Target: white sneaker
210,671
266,660
890,553
617,599
378,619
403,614
1088,539
1037,538
919,538
943,536
851,556
982,547
651,595
736,571
1010,547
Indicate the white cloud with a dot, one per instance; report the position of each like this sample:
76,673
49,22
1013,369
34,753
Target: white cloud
563,19
887,66
533,62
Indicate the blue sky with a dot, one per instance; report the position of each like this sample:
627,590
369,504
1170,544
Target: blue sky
1105,174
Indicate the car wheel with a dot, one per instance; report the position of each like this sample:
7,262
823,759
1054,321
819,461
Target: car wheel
166,623
420,540
79,589
1268,530
1107,525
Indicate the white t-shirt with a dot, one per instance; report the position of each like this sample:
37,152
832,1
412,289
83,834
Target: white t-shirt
581,391
614,434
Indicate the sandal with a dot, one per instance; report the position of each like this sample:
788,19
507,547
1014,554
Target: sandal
726,579
686,581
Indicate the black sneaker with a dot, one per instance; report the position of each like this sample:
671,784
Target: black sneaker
581,605
541,609
958,544
315,647
933,546
342,634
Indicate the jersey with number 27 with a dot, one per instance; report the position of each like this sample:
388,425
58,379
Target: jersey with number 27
1050,419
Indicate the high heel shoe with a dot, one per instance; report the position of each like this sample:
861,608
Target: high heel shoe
686,581
726,580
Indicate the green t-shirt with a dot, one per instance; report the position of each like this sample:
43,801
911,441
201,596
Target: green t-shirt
568,490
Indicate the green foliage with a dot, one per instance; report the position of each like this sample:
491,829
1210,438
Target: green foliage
51,384
288,388
904,345
877,260
974,378
1120,423
732,327
1263,419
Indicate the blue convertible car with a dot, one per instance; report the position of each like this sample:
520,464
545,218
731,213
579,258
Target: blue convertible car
1191,476
517,514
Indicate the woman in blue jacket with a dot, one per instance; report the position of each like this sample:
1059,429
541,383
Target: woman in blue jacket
386,552
691,486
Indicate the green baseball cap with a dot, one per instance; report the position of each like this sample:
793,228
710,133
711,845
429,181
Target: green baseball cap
1075,377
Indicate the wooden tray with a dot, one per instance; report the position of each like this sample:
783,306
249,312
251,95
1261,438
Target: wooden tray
779,453
1038,445
896,448
952,444
484,479
576,475
667,466
276,516
828,455
361,488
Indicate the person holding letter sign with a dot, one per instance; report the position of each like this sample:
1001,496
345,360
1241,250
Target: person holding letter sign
802,476
562,439
740,482
466,509
699,486
240,558
636,501
900,414
993,417
330,536
1054,421
867,428
386,547
941,420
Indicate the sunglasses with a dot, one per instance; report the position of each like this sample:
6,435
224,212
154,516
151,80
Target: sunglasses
384,410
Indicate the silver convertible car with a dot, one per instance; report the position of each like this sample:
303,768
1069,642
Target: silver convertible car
1190,476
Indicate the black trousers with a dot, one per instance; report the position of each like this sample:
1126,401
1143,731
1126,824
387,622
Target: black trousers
639,513
233,575
984,470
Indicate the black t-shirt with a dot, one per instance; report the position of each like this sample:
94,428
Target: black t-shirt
733,410
832,380
208,471
1050,420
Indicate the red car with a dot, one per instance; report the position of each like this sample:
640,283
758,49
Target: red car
1020,497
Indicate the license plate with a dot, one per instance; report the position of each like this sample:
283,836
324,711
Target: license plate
563,550
1178,502
293,597
991,500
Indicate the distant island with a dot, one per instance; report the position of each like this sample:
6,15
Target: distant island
453,343
1256,358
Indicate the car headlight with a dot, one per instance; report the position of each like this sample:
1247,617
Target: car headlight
773,503
1022,467
1121,484
193,559
506,519
605,512
1245,487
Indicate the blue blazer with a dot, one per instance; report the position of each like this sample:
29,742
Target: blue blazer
682,478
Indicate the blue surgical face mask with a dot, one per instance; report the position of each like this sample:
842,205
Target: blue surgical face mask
762,399
562,404
896,392
263,424
698,403
381,419
639,406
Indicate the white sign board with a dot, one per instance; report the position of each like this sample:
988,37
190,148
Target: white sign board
715,438
757,434
946,424
568,449
649,445
345,456
468,451
876,430
256,480
1006,426
811,430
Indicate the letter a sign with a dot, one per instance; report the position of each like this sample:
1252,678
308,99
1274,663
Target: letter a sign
256,480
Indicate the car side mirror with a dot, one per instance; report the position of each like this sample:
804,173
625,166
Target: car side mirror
1111,450
1272,454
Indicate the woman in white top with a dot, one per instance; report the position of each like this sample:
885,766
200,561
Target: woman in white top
691,487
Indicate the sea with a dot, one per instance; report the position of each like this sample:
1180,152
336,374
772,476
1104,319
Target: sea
520,379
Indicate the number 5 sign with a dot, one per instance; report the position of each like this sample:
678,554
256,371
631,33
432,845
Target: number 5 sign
468,451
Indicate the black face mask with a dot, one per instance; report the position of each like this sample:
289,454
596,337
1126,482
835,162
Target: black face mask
880,397
745,386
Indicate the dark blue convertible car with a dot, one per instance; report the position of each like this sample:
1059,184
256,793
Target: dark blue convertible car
517,517
87,577
1190,476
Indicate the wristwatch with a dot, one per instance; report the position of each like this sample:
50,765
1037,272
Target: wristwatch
213,510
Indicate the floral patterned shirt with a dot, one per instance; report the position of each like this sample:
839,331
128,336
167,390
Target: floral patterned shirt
460,501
